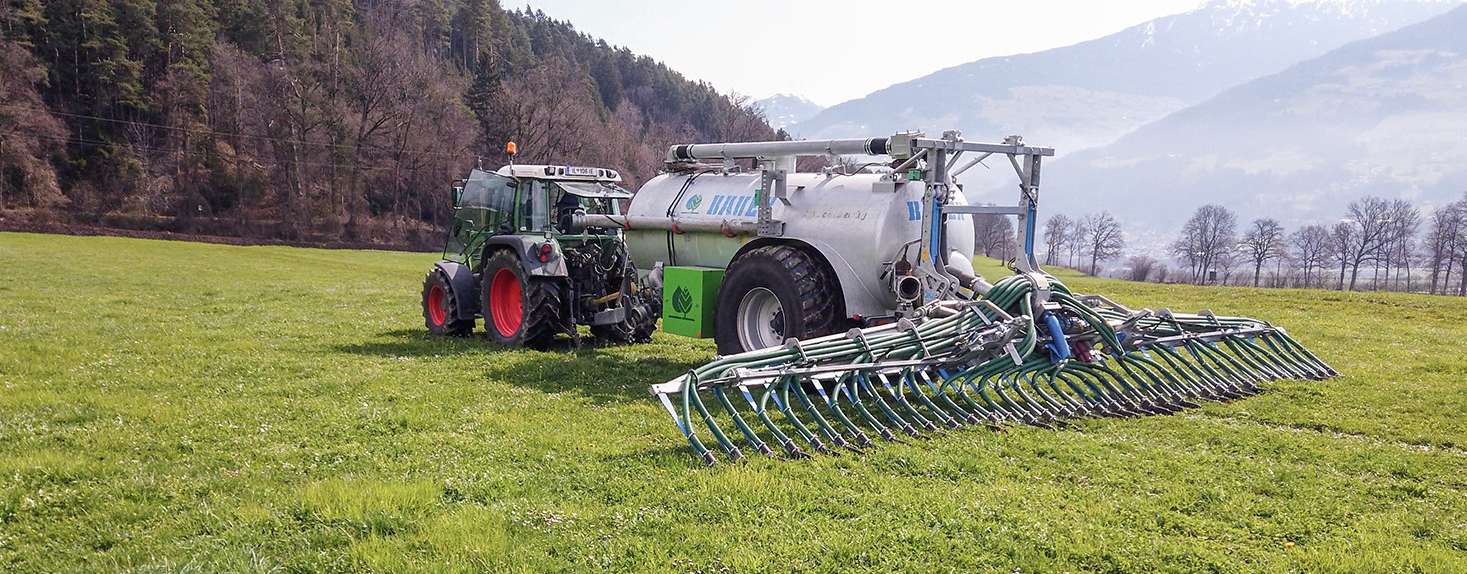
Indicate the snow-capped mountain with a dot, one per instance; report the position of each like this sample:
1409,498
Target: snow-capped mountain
1091,93
1385,116
785,110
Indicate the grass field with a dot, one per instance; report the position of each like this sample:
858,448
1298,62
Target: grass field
198,408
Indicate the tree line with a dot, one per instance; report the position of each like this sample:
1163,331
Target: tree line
319,119
1083,243
1377,244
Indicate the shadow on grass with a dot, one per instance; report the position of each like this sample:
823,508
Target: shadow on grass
604,374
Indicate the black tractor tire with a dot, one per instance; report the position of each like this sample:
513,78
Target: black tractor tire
440,307
807,290
539,314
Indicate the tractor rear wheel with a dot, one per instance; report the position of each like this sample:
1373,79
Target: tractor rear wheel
440,307
519,309
774,293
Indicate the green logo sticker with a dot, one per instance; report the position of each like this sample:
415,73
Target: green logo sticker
682,302
693,202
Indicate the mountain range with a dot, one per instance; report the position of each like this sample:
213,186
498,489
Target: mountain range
785,110
1091,93
1288,108
1385,116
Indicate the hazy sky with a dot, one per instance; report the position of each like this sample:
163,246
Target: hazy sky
831,51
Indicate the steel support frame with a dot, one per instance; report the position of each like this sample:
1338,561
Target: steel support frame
941,155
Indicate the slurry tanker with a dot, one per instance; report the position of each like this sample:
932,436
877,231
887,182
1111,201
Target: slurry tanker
801,254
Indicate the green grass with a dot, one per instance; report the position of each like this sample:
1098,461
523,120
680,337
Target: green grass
190,407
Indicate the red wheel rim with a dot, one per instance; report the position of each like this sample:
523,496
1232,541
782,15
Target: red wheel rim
506,303
437,304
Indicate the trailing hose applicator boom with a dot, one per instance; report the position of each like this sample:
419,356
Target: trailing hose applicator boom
981,363
964,353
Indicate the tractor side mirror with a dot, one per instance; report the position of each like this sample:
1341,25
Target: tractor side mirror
458,195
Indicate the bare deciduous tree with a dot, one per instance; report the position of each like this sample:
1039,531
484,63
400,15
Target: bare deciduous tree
1263,242
1075,240
1056,234
1342,243
1403,222
1208,239
1370,219
1103,239
550,113
1442,237
994,235
742,120
1311,251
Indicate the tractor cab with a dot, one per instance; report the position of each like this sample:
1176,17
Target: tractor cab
553,193
530,199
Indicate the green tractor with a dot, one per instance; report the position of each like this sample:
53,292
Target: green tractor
513,258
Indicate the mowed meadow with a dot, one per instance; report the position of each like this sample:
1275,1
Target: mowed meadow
186,407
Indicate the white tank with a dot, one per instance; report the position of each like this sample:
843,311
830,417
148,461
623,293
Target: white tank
859,223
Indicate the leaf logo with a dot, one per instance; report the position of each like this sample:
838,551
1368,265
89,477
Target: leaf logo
682,301
693,202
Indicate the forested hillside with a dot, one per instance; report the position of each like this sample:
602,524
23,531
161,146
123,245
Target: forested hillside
318,120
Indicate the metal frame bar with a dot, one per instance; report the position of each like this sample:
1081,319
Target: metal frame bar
1209,336
983,210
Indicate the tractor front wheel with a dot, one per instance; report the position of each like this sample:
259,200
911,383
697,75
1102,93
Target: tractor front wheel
519,309
440,307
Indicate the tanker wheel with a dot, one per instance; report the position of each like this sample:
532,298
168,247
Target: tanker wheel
773,293
440,307
519,309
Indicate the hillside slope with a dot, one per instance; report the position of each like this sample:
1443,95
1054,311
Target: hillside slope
1383,116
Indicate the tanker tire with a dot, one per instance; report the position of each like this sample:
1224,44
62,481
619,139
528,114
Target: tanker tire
541,303
447,322
797,279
